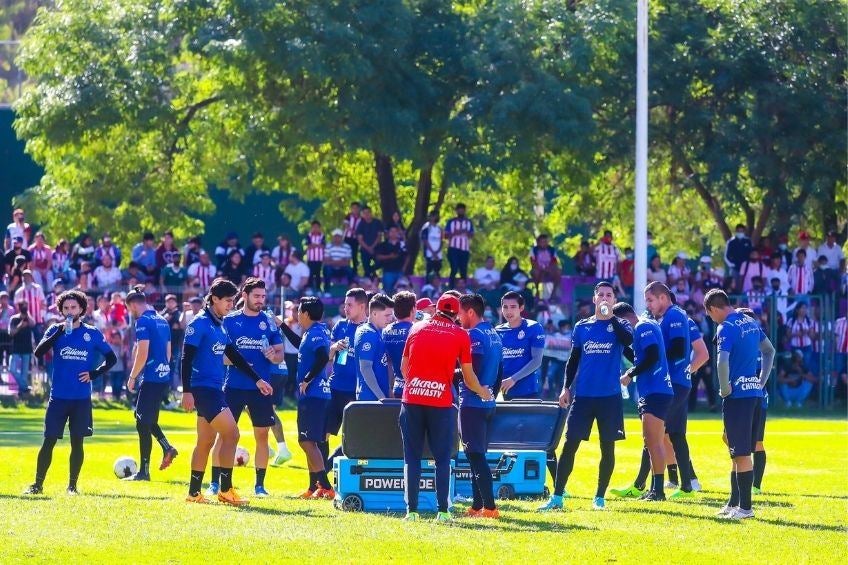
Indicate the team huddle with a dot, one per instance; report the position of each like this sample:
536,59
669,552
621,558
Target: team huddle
435,358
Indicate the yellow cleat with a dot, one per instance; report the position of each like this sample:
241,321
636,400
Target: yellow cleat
198,499
232,498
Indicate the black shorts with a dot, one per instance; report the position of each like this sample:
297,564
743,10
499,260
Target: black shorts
474,428
278,383
312,418
678,413
148,401
760,414
607,410
656,405
335,410
209,402
259,406
738,416
76,413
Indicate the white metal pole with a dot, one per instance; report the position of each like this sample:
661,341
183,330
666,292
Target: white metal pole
641,220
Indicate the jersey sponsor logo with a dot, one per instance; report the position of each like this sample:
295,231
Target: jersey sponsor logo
366,346
747,383
598,347
521,334
218,348
387,483
421,387
190,330
72,354
163,369
263,326
512,352
245,342
86,337
609,328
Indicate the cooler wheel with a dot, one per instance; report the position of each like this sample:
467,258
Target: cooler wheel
352,503
506,492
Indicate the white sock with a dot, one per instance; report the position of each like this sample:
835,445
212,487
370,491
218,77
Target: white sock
281,445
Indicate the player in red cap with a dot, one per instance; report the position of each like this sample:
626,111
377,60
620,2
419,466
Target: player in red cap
429,358
426,307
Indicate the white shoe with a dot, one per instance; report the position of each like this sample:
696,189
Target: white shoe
726,511
282,456
461,499
696,485
740,514
671,486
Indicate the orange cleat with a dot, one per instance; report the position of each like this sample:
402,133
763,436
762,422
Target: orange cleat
232,498
307,494
472,513
167,458
198,499
486,513
324,493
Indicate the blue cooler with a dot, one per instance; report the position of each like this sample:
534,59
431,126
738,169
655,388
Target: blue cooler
520,435
369,477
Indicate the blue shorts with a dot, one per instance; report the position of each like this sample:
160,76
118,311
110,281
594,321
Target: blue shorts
312,418
607,410
148,402
840,363
278,383
209,402
656,405
738,415
259,406
678,412
474,428
760,414
335,410
76,413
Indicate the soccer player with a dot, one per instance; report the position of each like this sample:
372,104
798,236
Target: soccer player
594,368
433,348
259,341
74,345
475,414
741,342
760,415
343,378
313,392
395,334
372,364
655,393
152,365
203,375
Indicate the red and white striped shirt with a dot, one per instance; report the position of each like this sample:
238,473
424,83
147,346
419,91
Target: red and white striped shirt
840,330
59,259
34,297
457,231
799,331
204,274
281,255
817,337
606,260
266,273
40,257
315,247
800,279
351,222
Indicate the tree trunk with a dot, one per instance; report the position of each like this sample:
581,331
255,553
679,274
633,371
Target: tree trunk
386,184
422,205
709,199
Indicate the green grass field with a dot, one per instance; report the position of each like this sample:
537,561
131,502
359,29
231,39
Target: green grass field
803,518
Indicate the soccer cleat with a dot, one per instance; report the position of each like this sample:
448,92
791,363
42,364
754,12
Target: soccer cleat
461,499
72,491
260,492
599,504
412,517
213,489
472,513
307,494
671,486
756,490
696,485
628,492
168,458
681,494
553,503
726,510
740,514
232,498
324,494
652,496
198,499
282,456
138,477
443,518
492,514
34,489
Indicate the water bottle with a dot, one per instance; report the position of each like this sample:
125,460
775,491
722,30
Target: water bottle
69,325
605,309
264,342
625,392
341,355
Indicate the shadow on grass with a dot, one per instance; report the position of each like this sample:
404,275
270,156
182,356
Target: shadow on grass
758,502
643,509
33,498
277,512
118,496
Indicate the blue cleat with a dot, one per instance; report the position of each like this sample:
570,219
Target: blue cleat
554,503
599,504
213,489
260,492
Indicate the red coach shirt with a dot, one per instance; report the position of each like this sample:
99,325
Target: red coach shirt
433,348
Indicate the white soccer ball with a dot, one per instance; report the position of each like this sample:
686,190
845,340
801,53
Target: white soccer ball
125,466
242,457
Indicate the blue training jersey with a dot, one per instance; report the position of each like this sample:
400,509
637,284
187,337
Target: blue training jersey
694,331
210,338
153,328
394,337
599,370
344,376
740,336
656,379
369,346
74,354
675,324
246,334
518,344
485,342
317,337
